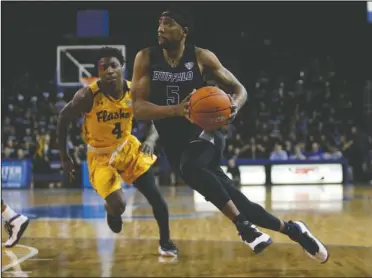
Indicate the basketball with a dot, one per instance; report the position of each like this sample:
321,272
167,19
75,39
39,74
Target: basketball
210,108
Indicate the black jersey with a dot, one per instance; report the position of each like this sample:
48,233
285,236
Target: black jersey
169,86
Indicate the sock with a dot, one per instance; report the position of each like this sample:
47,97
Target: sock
8,213
286,229
239,219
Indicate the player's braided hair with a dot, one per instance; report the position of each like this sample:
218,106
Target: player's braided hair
111,52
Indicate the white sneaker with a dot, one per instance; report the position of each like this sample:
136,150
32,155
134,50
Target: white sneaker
15,228
312,246
168,249
254,238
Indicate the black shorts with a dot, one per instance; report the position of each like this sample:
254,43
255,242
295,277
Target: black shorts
210,153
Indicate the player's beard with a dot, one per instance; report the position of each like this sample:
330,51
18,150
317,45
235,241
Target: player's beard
170,45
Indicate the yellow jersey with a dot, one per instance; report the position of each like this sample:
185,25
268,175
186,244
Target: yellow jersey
109,121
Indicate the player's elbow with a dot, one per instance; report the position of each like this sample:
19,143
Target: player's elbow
241,91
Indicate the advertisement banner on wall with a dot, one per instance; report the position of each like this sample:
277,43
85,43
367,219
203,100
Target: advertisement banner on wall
250,174
15,173
324,197
306,173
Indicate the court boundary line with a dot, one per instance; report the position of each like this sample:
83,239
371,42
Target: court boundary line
205,240
232,240
33,252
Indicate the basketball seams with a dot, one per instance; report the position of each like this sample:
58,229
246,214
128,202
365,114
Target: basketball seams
214,111
194,105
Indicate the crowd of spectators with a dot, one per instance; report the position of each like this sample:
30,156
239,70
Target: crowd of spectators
303,110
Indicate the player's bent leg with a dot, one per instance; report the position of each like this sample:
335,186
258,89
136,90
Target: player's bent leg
115,207
256,214
107,183
252,211
146,185
195,171
15,224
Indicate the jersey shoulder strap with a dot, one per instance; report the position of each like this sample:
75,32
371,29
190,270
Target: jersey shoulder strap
95,88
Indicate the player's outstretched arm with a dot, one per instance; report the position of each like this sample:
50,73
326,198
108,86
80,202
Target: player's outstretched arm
151,134
82,102
144,109
211,64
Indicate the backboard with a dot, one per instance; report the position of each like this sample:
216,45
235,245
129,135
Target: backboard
75,62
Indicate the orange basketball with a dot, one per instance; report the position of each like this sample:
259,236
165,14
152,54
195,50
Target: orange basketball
210,108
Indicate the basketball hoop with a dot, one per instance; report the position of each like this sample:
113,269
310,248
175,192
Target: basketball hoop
86,81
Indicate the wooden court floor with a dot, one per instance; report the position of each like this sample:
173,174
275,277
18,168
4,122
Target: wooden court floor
68,235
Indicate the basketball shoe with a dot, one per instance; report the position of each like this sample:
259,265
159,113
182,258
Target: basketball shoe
255,239
168,249
313,247
115,223
15,228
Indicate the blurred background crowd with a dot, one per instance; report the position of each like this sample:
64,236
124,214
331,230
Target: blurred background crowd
310,90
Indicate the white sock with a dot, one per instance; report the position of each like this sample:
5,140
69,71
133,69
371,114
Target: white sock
8,213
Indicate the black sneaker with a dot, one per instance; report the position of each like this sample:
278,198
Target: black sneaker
115,223
255,239
168,249
313,247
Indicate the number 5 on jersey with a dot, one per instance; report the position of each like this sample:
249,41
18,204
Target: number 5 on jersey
173,96
117,130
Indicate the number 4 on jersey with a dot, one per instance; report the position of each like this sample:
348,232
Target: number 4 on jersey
117,130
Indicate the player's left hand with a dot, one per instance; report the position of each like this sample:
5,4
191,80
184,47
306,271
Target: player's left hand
148,147
186,105
234,109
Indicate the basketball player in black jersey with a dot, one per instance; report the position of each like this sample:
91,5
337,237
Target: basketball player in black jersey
163,78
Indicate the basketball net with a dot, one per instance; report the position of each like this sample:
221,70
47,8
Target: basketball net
86,81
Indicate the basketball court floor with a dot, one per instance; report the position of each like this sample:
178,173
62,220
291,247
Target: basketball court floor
69,237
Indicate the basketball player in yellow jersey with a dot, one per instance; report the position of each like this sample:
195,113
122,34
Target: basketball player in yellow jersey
113,152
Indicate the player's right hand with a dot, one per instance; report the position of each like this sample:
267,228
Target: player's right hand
69,167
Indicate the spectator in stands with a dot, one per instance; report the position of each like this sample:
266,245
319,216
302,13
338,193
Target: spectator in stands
41,161
323,143
288,147
11,153
316,153
20,154
334,153
7,153
298,154
345,144
60,102
278,153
